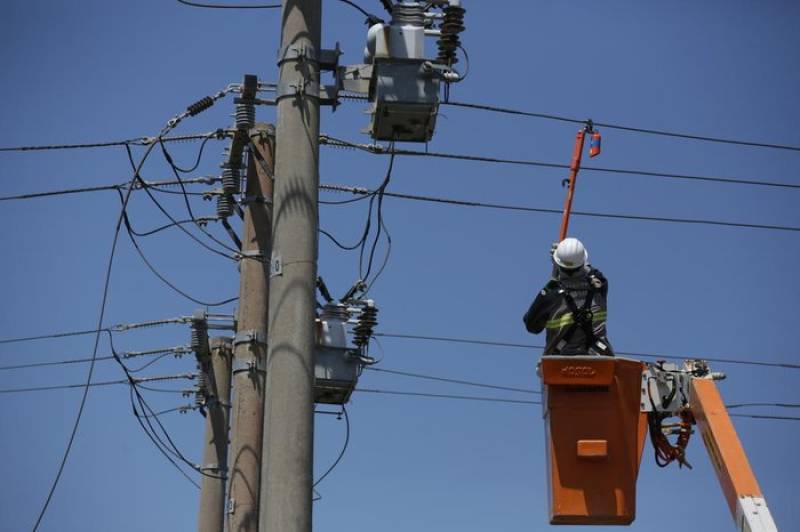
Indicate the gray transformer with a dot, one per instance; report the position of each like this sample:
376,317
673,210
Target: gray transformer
405,96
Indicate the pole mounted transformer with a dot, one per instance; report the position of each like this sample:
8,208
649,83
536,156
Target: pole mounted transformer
402,84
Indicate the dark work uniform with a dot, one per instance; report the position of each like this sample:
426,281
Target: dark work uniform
574,326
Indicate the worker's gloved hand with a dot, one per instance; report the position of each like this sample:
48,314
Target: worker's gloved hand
553,247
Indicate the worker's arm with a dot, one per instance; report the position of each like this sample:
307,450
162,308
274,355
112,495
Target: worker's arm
542,308
603,288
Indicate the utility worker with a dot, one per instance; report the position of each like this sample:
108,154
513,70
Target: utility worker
572,306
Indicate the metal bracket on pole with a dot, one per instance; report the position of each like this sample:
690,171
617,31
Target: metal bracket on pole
249,366
250,337
255,254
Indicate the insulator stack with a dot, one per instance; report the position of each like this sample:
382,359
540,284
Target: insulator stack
449,42
245,116
231,180
199,338
362,332
408,13
201,395
224,205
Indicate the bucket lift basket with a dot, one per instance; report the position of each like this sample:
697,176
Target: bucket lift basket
595,434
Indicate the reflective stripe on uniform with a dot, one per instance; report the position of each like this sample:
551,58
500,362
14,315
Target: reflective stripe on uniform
567,319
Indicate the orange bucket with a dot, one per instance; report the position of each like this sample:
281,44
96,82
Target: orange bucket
595,437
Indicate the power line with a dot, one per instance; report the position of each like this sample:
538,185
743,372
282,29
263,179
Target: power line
448,396
362,192
231,6
99,328
376,149
139,141
517,401
491,343
120,186
189,376
122,327
453,381
776,405
763,416
647,131
177,351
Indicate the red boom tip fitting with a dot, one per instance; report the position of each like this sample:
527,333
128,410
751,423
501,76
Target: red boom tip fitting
594,144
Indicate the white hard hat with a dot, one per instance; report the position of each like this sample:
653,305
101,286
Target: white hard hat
570,254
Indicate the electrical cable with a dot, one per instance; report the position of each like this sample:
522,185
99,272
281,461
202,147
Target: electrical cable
626,353
449,396
505,110
99,328
379,194
176,351
516,401
588,214
94,384
164,279
172,219
120,327
453,381
154,185
177,171
140,141
171,124
232,6
341,454
380,150
776,405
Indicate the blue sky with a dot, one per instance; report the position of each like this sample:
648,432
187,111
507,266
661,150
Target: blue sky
94,71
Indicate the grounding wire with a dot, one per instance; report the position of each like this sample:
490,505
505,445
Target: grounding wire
704,138
589,214
341,453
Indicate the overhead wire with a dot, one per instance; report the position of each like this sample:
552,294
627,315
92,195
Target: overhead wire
376,149
590,214
139,141
95,384
99,328
452,381
229,6
491,343
647,131
154,185
523,402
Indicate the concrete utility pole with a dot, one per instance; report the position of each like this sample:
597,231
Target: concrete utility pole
286,487
250,349
215,455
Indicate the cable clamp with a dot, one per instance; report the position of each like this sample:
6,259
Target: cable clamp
246,200
251,254
297,52
249,366
251,336
215,468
